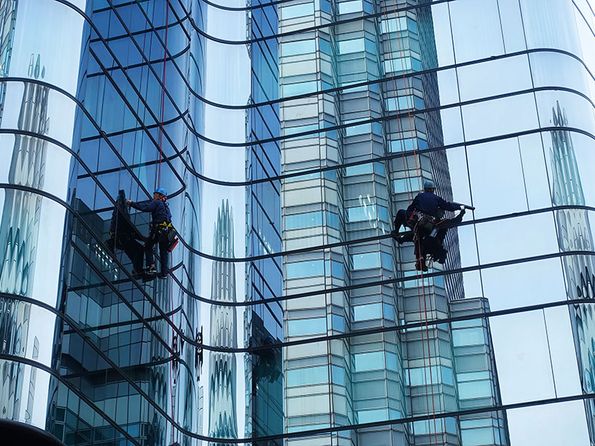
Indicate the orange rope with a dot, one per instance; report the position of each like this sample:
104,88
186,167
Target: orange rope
410,105
163,80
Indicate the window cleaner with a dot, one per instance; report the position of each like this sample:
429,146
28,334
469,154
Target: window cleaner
161,232
425,218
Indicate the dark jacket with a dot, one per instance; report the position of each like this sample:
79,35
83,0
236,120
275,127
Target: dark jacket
431,204
159,210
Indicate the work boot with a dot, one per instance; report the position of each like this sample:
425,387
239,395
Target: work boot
420,265
442,257
151,270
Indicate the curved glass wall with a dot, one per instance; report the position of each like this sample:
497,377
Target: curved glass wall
288,134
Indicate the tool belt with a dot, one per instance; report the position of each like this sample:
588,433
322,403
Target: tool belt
166,229
424,224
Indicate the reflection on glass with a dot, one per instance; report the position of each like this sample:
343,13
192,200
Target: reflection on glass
223,421
19,233
574,234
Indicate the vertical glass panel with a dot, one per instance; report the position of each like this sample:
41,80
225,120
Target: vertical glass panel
476,29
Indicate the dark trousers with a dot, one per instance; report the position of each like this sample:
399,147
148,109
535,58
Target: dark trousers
158,238
434,245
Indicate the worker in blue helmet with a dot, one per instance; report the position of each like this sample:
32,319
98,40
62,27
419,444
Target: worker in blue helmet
425,218
159,230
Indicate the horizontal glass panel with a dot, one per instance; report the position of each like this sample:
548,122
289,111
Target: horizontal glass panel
306,327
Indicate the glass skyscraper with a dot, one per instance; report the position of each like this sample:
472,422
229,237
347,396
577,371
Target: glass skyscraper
287,135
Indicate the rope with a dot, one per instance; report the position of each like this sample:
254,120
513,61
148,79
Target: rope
173,364
410,104
163,88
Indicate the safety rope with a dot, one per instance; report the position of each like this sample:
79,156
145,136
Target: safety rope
410,104
163,88
173,363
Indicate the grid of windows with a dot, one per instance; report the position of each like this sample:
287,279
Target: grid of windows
379,96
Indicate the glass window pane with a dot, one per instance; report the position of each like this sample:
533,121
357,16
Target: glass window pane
306,327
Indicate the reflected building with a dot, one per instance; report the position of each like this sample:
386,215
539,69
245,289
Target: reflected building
114,348
126,369
574,234
8,13
327,82
223,421
263,323
19,236
391,374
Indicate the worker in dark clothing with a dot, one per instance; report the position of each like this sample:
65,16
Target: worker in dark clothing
124,235
423,216
159,230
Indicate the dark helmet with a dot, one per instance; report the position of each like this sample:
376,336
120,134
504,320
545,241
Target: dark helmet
429,186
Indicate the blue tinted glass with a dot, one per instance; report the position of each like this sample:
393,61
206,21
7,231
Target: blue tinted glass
477,437
300,88
366,261
360,169
339,375
472,376
397,65
349,7
467,324
306,327
311,268
392,362
332,220
451,426
468,336
325,47
358,129
447,375
475,389
309,176
351,46
338,323
393,25
407,185
482,422
307,376
389,312
336,269
299,47
356,214
439,281
383,213
290,12
368,416
379,168
325,6
306,220
300,129
402,145
367,312
387,260
369,361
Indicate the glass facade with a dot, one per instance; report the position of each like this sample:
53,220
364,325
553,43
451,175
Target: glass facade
288,134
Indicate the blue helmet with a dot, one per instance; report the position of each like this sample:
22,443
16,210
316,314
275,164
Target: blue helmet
161,191
429,185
